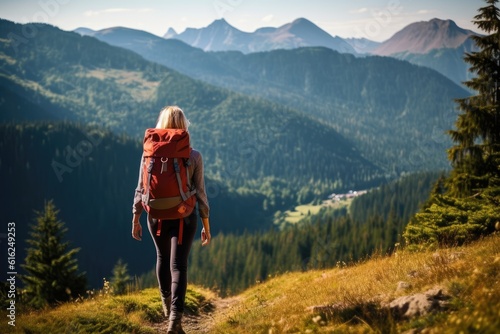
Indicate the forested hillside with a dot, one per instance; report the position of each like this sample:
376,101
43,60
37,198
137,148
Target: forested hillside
396,113
91,175
77,78
448,61
374,223
398,200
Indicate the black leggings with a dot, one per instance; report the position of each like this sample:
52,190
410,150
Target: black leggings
172,259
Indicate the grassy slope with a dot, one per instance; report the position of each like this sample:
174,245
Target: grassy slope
136,313
470,275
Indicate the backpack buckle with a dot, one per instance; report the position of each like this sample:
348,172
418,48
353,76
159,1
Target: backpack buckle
163,165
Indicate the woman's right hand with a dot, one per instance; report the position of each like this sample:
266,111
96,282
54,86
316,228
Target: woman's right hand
136,228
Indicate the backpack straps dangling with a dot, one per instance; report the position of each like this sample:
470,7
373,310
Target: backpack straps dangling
158,228
181,231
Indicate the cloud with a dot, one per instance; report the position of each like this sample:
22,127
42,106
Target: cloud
423,11
359,10
267,18
115,10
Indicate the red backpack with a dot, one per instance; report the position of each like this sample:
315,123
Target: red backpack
167,192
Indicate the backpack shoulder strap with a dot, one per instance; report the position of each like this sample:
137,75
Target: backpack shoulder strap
187,163
179,181
145,197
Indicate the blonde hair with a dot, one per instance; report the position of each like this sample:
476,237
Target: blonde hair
172,117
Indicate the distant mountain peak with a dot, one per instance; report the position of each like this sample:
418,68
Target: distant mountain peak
442,22
221,21
171,33
84,31
221,24
422,37
300,24
301,20
307,33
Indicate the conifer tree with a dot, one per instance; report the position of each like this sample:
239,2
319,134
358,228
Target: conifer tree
476,154
52,269
120,278
469,205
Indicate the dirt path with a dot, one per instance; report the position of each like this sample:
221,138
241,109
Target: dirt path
205,321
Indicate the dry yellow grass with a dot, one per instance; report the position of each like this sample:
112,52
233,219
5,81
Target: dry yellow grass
469,274
136,312
102,314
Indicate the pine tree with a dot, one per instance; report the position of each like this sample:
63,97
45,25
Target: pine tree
468,207
120,278
52,269
476,155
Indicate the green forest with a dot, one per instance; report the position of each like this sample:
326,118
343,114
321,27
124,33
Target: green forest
373,224
91,175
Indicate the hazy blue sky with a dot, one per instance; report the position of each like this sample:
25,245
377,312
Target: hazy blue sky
374,19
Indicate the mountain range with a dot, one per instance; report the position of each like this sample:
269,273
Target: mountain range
221,36
275,128
350,93
437,44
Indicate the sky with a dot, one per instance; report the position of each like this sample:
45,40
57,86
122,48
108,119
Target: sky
376,20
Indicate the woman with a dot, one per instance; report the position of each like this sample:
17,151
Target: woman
172,257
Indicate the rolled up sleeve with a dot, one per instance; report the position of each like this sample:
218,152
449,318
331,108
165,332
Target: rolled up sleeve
137,207
199,182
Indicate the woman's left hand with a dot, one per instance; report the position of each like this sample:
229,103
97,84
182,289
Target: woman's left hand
205,237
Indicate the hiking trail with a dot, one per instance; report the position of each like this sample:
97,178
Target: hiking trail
206,319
